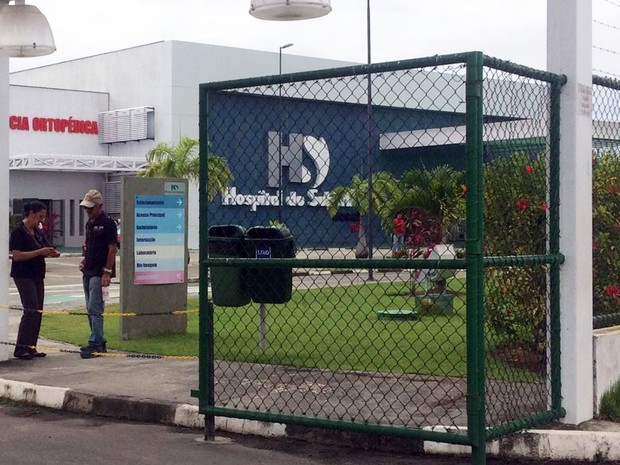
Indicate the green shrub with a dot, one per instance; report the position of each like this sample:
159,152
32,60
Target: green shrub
610,403
606,233
515,216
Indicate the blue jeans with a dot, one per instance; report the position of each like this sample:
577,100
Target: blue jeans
94,306
398,242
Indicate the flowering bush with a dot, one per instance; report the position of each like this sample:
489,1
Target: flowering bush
606,233
515,216
515,223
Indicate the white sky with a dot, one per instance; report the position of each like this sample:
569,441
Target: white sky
513,30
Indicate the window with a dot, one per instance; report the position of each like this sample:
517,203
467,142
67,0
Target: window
82,220
72,217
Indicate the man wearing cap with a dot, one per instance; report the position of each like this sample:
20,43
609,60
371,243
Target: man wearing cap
97,268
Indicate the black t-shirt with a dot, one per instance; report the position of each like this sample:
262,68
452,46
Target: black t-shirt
23,241
100,233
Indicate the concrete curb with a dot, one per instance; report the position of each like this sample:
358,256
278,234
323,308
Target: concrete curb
595,446
591,446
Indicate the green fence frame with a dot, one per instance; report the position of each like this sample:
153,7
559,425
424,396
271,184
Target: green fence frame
475,262
602,89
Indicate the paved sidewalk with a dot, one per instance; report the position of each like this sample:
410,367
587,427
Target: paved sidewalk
159,391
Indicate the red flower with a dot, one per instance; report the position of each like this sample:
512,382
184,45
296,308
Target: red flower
612,291
596,246
355,227
528,169
613,189
544,207
522,203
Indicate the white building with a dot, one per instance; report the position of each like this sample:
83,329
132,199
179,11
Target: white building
84,123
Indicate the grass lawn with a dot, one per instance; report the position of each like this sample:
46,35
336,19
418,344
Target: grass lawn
332,327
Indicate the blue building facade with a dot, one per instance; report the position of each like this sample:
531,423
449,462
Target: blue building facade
323,145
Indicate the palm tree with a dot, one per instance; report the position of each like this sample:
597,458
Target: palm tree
438,192
433,202
181,160
384,189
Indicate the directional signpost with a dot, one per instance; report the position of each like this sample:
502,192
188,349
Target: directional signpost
154,256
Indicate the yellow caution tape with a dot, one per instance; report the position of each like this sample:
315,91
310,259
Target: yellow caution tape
105,314
106,354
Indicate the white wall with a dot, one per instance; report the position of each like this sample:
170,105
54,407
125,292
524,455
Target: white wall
605,348
34,102
166,76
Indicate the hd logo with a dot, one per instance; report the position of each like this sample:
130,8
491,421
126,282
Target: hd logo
292,156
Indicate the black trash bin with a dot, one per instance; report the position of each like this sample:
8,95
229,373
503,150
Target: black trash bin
270,285
228,287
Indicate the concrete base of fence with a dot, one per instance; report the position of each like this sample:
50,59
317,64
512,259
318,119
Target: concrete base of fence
605,350
586,445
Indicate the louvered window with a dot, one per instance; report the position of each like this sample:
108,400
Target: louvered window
126,125
112,198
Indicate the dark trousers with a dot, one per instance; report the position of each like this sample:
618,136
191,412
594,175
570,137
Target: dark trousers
31,293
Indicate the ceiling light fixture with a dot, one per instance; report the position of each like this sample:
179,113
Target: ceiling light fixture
289,10
24,30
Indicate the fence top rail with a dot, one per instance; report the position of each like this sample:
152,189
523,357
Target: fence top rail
525,71
355,70
399,65
606,82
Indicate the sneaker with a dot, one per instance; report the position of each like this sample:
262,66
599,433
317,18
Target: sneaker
91,348
89,351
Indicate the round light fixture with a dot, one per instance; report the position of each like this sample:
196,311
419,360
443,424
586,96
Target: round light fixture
289,10
24,31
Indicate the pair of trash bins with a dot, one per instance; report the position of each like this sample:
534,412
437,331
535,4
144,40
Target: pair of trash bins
237,286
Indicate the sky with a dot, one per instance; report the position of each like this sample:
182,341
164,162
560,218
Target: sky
513,30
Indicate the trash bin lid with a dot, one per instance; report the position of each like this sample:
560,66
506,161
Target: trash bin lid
268,232
227,230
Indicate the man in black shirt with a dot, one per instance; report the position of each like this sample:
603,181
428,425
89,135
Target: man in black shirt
97,268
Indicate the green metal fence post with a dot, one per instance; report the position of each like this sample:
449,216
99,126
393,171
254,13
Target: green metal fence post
205,317
474,283
554,244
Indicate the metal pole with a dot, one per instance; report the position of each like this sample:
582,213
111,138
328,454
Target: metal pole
206,360
210,343
4,205
280,135
262,327
369,242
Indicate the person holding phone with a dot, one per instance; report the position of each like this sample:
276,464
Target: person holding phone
29,248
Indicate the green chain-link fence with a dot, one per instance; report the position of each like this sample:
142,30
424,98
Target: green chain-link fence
424,306
606,201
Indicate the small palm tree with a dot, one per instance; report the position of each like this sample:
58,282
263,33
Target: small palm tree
433,202
181,160
438,192
384,189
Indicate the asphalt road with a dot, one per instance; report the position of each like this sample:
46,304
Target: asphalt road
32,435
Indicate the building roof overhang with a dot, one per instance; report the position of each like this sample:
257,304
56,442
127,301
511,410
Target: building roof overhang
75,163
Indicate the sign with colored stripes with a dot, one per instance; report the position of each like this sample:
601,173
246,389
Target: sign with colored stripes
159,236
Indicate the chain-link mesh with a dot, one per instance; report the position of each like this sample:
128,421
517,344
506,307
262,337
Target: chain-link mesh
516,224
606,201
342,303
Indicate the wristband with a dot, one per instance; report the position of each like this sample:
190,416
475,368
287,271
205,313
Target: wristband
107,270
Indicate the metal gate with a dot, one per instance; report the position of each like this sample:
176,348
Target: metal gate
337,288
